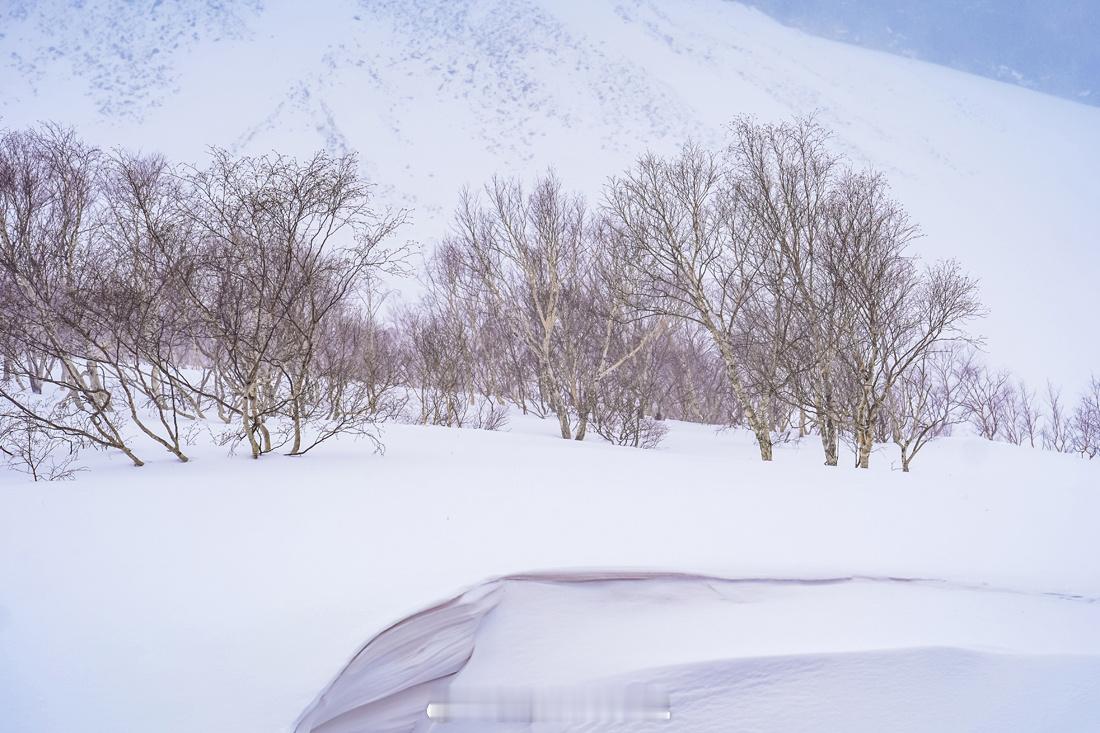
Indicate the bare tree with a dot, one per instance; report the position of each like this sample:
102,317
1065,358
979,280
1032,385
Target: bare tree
986,397
520,251
541,266
36,452
1057,430
926,402
785,176
369,349
450,351
49,263
280,248
766,286
623,403
693,259
797,270
601,339
1022,417
898,312
1086,422
692,379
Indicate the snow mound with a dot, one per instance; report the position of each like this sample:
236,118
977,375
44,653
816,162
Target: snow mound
851,654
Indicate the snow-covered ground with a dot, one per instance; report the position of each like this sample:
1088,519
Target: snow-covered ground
224,594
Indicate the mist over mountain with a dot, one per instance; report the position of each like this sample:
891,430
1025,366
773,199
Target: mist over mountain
1048,46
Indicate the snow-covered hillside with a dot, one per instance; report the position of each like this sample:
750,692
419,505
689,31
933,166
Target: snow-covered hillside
436,95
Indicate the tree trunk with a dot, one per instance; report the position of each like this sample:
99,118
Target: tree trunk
759,426
129,454
249,429
865,417
297,420
864,444
266,434
764,440
829,440
582,426
37,371
563,423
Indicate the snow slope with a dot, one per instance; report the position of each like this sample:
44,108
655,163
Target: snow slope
224,594
438,94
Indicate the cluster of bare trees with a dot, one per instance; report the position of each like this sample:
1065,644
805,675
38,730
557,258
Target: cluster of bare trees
137,298
522,292
767,285
997,407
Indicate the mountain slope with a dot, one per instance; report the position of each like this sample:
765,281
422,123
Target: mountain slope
436,95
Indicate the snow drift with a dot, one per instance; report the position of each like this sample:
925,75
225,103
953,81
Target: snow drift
851,654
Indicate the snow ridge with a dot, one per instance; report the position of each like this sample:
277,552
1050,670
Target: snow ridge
389,683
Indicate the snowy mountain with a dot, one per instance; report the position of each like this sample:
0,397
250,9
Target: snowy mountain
436,95
345,588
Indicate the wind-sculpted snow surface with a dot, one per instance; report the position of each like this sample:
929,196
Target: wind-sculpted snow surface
621,651
388,685
437,94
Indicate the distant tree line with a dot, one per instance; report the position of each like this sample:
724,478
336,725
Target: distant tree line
768,285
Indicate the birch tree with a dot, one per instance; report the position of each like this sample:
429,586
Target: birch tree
693,258
926,402
786,176
899,312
